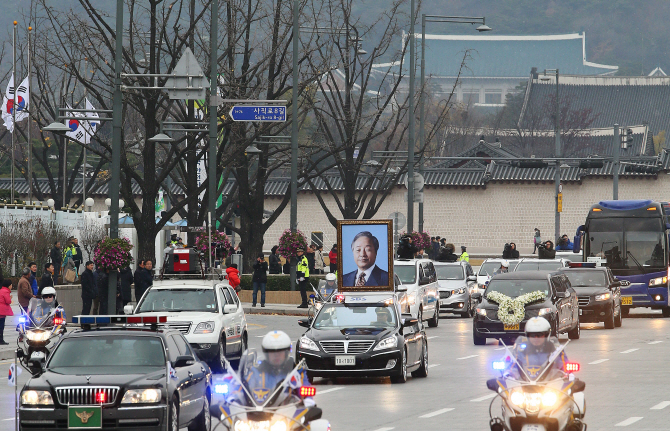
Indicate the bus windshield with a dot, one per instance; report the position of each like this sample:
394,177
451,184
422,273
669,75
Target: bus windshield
627,243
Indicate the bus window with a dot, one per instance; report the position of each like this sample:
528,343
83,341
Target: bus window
606,240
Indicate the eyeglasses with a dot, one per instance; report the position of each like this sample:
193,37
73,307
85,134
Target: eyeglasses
537,335
47,296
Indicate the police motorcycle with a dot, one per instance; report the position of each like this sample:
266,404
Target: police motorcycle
323,294
269,393
40,328
537,387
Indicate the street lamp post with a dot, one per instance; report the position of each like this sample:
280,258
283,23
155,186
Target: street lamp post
213,135
410,144
557,170
446,19
294,132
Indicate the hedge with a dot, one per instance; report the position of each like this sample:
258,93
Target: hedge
280,282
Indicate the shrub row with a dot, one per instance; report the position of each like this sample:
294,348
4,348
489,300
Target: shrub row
279,282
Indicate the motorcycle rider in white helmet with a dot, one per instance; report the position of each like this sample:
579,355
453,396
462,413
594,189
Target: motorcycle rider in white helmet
40,309
331,284
533,350
504,267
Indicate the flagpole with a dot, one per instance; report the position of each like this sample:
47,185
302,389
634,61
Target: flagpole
13,109
30,119
16,392
83,176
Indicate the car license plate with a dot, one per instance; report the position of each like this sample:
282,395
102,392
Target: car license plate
626,300
533,427
511,327
345,360
84,417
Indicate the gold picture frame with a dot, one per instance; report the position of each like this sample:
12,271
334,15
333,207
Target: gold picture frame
365,234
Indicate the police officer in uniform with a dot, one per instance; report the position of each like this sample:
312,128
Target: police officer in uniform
464,257
302,274
533,350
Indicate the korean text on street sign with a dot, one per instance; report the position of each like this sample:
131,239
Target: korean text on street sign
258,113
560,203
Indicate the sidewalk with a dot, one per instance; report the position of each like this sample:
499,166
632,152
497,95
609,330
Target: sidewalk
10,334
281,309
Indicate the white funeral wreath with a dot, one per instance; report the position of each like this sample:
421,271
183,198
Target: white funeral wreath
511,311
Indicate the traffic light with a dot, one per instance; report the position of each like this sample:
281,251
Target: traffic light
627,139
642,169
591,163
530,163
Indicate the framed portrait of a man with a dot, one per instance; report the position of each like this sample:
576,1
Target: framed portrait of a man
365,255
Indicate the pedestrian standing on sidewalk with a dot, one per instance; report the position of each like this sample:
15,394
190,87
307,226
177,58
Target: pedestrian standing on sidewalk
275,261
259,279
136,279
318,259
103,292
332,257
33,277
47,277
537,240
56,259
144,281
77,256
309,254
302,274
24,291
5,308
126,279
89,290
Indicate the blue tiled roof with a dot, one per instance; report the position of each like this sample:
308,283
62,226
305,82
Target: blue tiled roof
508,56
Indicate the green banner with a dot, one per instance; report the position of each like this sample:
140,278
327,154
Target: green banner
84,417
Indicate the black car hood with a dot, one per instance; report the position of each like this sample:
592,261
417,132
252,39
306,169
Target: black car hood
590,290
152,378
349,333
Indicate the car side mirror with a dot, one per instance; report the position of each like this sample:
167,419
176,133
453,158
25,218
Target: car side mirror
305,323
472,278
183,361
401,288
313,414
477,296
410,321
229,308
579,386
37,362
423,281
492,384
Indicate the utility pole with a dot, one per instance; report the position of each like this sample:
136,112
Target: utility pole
411,146
294,132
615,163
557,172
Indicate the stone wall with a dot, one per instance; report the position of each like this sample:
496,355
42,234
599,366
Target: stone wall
484,219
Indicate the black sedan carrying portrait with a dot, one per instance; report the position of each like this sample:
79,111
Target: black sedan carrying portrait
599,294
119,378
364,335
513,298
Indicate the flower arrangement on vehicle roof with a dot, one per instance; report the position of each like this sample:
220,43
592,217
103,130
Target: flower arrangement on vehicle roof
511,311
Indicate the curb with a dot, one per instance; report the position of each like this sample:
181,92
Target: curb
277,311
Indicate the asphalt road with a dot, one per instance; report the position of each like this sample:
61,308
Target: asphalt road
624,369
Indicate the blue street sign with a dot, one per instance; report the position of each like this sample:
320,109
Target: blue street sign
258,113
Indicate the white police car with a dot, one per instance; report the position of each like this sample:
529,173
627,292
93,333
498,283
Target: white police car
208,313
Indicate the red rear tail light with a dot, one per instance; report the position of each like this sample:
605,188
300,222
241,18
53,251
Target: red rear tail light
101,397
571,367
58,320
307,391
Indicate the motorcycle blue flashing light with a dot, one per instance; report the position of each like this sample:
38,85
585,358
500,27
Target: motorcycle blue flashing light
22,319
221,389
499,365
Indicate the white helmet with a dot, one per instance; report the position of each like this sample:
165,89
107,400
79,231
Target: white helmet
504,263
331,276
49,291
538,325
276,340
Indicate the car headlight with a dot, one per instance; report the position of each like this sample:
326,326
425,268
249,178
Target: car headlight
549,398
544,311
603,297
204,328
458,291
660,281
279,425
387,343
481,311
517,398
308,344
35,335
141,396
411,299
36,398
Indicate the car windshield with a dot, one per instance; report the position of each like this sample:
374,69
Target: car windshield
108,354
202,300
337,316
586,278
514,288
406,273
551,265
449,272
488,268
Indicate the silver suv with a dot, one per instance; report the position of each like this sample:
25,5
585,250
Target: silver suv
420,279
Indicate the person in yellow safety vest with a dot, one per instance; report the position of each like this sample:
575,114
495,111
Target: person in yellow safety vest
302,274
464,257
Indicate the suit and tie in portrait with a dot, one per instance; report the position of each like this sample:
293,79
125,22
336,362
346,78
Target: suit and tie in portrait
364,249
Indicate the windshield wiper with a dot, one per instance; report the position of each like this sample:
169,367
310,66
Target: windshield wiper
628,253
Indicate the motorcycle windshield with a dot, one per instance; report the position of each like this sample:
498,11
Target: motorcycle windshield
40,310
326,289
271,376
533,357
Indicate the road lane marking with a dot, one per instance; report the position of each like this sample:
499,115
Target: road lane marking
599,361
628,421
661,406
329,390
384,429
467,357
433,365
484,398
8,419
500,348
629,350
431,337
435,413
655,342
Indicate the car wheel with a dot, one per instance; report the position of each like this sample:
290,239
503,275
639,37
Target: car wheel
204,420
419,315
666,311
435,320
625,311
244,344
575,333
467,313
173,415
554,328
479,341
401,377
609,320
218,363
422,371
618,319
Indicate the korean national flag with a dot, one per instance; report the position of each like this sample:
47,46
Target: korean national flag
173,373
295,380
13,374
